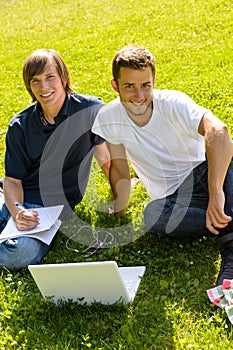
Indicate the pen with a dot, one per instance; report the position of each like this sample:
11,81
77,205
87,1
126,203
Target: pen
20,206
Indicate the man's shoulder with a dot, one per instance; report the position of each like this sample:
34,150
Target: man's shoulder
23,115
111,107
84,100
169,95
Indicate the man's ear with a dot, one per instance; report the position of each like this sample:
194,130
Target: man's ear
114,85
154,80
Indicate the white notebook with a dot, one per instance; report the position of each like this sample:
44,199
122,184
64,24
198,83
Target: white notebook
88,282
45,231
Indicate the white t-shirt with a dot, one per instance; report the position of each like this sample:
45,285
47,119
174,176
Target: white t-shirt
167,148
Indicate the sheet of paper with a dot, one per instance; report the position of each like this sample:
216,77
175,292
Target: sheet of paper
48,217
44,236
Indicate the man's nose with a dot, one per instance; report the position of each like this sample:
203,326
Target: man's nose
139,93
44,84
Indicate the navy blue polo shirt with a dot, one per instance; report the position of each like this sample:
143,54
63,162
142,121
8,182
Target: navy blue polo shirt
53,161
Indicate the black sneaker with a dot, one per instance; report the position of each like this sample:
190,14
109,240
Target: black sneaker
226,269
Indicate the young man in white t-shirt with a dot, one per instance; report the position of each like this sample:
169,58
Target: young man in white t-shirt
181,152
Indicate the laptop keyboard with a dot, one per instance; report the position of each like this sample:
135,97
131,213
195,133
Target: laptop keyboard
128,285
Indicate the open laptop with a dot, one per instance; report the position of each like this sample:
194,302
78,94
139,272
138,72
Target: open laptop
88,282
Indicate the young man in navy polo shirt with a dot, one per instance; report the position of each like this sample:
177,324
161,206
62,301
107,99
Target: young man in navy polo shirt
49,149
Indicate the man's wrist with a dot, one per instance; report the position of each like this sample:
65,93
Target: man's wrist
118,211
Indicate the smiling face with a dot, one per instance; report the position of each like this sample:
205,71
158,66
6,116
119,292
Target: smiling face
48,89
135,88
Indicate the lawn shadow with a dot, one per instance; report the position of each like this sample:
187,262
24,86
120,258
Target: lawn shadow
177,276
36,323
183,271
146,324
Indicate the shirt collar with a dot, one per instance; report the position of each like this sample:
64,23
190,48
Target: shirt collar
63,113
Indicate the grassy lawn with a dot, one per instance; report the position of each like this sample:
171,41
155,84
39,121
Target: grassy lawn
192,41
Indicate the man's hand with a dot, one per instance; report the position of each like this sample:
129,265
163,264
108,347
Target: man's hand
26,219
215,216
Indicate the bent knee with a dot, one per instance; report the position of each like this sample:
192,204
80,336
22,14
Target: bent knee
20,252
152,213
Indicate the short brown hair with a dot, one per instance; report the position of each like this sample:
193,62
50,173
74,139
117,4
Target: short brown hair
35,64
134,57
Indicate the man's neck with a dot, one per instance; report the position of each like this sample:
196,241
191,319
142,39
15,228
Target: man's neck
51,112
142,120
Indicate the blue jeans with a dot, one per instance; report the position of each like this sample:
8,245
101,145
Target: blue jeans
22,251
183,214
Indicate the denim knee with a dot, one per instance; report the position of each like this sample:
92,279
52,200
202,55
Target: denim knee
22,251
167,217
152,213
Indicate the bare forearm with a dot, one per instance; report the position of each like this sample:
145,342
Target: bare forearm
103,158
119,177
13,192
219,150
120,185
105,169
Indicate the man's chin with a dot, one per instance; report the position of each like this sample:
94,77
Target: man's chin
138,114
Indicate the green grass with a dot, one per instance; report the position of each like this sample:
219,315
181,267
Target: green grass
192,41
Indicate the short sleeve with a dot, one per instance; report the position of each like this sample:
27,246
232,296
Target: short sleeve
185,113
108,123
16,158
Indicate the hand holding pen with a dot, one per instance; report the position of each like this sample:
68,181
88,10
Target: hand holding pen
26,219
